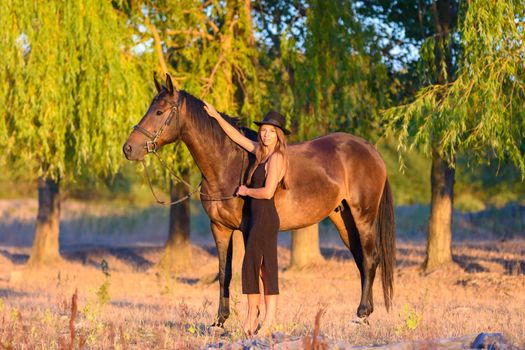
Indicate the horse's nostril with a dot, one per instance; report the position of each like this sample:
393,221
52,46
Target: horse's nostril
127,149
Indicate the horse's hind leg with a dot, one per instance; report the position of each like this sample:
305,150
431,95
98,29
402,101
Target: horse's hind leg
359,236
345,227
364,248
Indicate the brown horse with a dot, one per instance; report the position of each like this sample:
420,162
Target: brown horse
339,176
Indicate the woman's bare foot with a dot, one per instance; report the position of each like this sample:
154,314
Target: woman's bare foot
251,324
256,325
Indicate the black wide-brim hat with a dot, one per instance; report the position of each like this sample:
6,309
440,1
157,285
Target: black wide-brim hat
275,119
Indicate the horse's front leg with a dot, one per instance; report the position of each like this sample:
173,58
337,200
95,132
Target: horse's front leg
223,240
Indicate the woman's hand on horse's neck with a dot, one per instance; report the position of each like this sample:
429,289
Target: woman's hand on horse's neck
234,134
275,174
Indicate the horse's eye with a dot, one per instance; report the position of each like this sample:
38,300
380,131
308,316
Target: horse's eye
159,112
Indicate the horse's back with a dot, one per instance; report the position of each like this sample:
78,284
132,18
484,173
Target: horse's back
326,170
339,150
363,168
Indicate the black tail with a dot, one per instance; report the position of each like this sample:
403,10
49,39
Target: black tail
386,230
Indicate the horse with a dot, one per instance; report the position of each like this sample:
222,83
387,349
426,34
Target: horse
339,176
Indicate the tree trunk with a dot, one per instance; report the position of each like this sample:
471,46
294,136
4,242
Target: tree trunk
439,243
158,44
177,252
45,248
249,20
305,247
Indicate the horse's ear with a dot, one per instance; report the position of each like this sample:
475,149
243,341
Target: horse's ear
157,84
169,84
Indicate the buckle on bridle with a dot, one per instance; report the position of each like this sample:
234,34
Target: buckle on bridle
151,146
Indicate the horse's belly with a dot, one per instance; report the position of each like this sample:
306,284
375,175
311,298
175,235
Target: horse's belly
305,208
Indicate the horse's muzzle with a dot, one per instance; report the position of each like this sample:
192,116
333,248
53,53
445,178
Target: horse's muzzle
131,153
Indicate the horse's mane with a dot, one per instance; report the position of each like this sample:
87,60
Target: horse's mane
195,110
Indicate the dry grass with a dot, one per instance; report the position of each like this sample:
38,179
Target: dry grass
138,307
149,309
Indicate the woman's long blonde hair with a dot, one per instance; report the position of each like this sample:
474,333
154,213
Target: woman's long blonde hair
280,147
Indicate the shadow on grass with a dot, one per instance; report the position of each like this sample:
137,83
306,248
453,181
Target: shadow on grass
210,249
511,267
336,253
124,304
188,281
8,293
405,257
408,257
132,256
17,259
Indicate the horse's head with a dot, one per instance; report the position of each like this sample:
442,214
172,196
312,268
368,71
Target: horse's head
159,126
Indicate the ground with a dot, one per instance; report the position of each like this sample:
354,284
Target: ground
139,306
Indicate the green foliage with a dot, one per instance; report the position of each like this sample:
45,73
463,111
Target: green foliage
467,202
94,307
210,50
334,71
103,296
15,315
70,85
480,112
166,281
409,185
414,17
411,320
77,75
92,312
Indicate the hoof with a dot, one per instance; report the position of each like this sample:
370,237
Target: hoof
364,311
216,329
362,321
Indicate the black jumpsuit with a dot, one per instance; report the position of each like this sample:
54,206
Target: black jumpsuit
261,241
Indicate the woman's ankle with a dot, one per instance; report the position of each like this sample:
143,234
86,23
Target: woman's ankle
252,317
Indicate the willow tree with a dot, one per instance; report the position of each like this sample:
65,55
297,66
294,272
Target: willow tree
69,82
209,49
473,104
150,22
335,82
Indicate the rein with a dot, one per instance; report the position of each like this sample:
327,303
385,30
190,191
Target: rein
152,147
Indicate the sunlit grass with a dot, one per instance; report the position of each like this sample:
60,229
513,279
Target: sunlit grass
146,310
138,306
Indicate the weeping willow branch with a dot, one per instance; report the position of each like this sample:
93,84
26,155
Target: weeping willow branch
474,113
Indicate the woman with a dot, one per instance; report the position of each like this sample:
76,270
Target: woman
259,268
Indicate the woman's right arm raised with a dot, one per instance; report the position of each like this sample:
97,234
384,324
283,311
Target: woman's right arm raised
230,130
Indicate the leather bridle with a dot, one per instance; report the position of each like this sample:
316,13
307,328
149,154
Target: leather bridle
151,145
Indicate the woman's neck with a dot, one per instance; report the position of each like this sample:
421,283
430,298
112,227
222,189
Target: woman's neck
268,151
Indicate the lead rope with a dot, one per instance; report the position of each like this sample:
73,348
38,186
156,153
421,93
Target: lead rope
193,190
157,198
